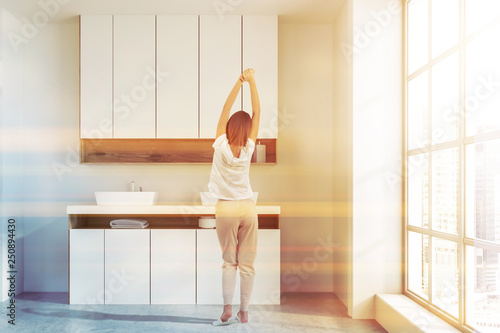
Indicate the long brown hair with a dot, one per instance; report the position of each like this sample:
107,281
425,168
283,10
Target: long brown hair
238,128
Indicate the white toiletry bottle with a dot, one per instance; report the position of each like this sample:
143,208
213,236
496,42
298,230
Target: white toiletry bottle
261,153
132,186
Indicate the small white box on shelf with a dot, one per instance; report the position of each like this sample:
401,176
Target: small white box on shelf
206,222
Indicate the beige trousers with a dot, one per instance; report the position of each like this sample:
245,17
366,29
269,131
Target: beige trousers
237,225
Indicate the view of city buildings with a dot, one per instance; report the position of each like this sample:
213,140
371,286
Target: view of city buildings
482,221
484,266
453,182
445,212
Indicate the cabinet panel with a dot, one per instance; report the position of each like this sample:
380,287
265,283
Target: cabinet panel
127,266
260,52
86,266
266,288
220,66
134,76
177,70
209,271
96,76
173,266
267,283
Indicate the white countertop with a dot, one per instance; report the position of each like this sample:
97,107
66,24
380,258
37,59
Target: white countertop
158,209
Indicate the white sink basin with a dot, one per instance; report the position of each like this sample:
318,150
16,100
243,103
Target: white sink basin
126,198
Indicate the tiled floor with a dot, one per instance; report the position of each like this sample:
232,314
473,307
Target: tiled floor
298,312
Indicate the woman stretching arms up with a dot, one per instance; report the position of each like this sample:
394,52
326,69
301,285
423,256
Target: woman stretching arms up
235,211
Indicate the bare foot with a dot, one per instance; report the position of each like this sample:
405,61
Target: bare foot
226,313
243,315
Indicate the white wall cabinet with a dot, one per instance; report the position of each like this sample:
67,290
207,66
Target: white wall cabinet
127,277
260,51
86,266
134,76
177,70
173,266
266,288
147,76
96,77
220,66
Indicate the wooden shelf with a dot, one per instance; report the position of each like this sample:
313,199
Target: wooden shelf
102,221
157,151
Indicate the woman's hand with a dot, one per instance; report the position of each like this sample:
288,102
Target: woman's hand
247,75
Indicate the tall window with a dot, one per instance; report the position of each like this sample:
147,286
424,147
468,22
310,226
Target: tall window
453,159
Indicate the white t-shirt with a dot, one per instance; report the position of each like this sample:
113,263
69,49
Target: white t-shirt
229,178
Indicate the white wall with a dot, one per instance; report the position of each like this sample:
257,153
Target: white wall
342,166
301,182
377,242
11,147
303,179
2,221
368,148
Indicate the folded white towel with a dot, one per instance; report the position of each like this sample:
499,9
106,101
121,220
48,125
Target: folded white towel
129,226
129,223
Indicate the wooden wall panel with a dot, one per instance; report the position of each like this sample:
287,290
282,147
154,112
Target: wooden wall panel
156,150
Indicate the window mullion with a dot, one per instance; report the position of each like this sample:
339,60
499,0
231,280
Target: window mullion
405,147
461,154
429,142
488,136
434,233
433,61
431,148
483,244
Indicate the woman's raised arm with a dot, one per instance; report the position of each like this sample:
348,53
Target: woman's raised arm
224,116
255,106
